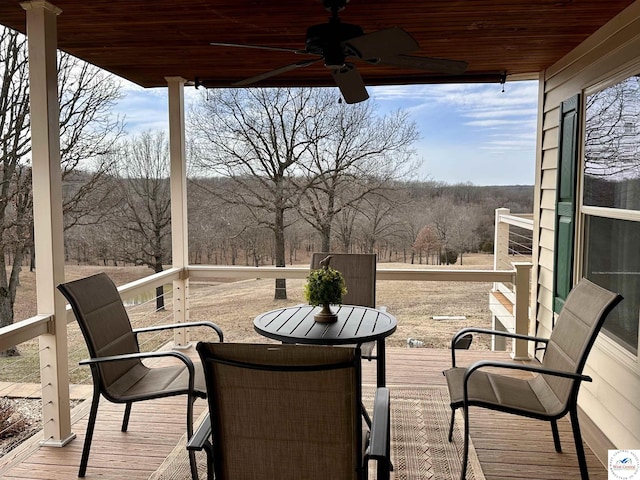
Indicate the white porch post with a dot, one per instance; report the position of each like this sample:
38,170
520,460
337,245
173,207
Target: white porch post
523,293
501,242
47,217
179,221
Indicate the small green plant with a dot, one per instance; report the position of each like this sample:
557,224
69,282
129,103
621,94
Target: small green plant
325,285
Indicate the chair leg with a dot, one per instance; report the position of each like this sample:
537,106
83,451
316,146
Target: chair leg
93,413
208,448
125,420
556,436
577,436
453,418
192,455
465,453
194,466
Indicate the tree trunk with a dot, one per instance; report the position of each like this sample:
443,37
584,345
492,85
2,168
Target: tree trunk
159,290
281,283
8,297
325,235
6,318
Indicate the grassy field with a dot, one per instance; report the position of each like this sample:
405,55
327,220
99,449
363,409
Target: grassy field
234,305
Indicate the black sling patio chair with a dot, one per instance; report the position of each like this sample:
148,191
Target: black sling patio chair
289,412
116,362
552,391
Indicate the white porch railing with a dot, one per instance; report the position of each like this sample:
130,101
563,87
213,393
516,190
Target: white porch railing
509,301
33,327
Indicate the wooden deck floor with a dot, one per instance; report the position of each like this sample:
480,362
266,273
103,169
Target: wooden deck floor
508,447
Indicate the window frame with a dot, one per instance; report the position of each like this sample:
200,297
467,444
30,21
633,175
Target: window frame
605,342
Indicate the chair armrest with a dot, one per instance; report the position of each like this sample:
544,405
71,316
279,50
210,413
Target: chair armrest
380,433
173,326
496,333
130,356
141,355
527,368
200,439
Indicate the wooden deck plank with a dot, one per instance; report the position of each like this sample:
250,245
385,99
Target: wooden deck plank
508,447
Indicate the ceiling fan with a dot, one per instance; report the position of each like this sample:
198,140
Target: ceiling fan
336,43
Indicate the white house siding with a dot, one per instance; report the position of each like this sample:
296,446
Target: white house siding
611,401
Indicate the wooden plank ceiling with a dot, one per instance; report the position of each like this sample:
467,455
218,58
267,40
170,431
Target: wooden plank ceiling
146,40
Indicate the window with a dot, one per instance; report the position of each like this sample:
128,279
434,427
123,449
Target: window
612,259
611,203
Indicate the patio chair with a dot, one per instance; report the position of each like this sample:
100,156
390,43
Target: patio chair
116,362
289,412
552,390
463,342
359,272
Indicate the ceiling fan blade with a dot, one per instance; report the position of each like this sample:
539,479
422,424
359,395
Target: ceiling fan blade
440,65
260,47
383,43
350,84
273,73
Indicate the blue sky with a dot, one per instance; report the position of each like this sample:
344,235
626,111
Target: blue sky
468,133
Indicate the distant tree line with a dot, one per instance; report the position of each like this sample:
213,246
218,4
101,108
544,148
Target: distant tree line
416,222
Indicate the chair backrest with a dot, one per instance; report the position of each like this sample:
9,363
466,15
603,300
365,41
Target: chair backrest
284,411
576,329
359,272
104,323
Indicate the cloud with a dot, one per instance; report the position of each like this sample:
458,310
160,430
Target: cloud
471,132
489,123
146,109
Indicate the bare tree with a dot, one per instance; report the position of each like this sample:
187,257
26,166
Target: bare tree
442,218
87,132
345,226
426,243
377,221
144,216
15,176
258,139
359,154
464,236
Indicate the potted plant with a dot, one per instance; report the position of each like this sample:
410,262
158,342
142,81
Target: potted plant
325,286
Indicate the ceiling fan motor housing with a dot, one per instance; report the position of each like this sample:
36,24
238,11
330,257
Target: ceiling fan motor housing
326,40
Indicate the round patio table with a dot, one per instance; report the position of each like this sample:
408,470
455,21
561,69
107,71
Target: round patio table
355,324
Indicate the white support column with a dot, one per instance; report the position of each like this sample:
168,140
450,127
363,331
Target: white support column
501,242
179,220
47,217
523,289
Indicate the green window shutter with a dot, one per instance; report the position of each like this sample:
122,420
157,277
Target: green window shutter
566,200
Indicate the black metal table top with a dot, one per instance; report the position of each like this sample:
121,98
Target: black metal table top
355,324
